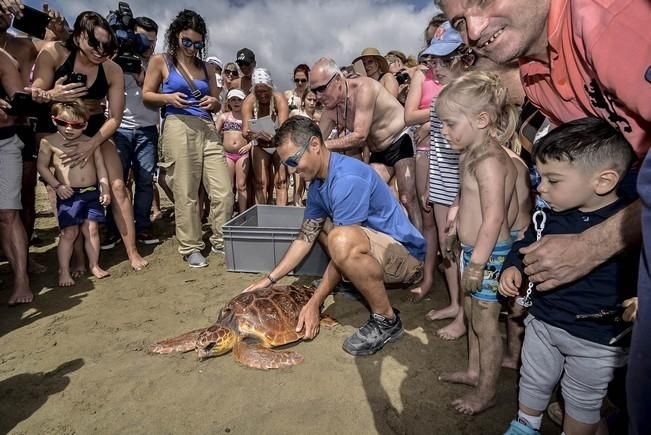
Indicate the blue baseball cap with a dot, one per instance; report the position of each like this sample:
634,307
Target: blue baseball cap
445,42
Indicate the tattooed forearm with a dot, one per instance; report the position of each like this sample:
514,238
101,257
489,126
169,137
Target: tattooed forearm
310,230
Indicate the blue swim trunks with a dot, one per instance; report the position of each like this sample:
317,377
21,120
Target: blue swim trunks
82,205
488,291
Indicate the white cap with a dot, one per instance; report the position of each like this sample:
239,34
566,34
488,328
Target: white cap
215,61
261,76
236,93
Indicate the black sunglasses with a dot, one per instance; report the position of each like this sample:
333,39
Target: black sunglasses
187,43
292,161
242,63
231,72
103,49
300,80
321,89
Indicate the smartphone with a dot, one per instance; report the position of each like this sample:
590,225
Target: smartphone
23,105
76,78
33,22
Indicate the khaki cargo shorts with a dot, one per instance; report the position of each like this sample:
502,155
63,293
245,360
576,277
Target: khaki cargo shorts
398,264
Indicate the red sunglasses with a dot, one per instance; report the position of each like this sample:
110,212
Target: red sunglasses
77,125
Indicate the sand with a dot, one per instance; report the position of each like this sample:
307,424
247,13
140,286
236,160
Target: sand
75,360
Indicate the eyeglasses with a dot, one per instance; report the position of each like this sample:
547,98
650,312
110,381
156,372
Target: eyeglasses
231,72
292,161
321,89
187,43
300,80
77,125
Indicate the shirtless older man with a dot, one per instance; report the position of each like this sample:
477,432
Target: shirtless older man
371,116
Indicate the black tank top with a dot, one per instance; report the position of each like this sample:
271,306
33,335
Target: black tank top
100,86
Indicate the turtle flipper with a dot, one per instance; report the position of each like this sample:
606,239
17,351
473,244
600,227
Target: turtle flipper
259,357
183,343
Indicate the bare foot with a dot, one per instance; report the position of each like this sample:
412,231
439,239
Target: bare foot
510,362
99,273
453,331
465,377
419,293
137,262
449,312
65,279
35,267
78,271
473,403
21,295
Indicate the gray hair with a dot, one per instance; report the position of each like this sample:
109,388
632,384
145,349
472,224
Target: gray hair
328,66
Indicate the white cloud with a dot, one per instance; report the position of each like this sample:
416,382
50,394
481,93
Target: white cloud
284,33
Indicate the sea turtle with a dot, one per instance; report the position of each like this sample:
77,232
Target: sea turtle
250,324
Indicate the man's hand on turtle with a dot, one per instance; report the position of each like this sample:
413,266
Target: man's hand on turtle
308,320
259,284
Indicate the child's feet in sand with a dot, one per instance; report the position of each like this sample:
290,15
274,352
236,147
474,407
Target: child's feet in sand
137,262
453,331
65,279
419,293
465,377
473,403
99,273
78,272
21,295
449,312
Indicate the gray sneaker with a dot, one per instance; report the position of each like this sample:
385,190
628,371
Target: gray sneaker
195,259
374,335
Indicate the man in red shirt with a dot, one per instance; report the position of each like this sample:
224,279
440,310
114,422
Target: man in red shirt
581,58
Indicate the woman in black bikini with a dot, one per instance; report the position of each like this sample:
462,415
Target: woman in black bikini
85,58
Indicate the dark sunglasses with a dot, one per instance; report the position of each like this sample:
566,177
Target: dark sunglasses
242,63
77,125
321,89
187,43
102,49
300,80
292,161
230,72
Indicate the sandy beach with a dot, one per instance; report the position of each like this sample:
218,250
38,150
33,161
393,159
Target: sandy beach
75,360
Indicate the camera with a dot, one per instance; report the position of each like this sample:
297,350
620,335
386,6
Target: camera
130,43
402,77
22,105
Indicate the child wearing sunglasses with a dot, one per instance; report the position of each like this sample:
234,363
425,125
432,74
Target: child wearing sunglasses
82,190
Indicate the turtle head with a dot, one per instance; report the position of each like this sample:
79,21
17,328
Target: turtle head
214,341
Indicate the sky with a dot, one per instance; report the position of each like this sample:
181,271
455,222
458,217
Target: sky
284,33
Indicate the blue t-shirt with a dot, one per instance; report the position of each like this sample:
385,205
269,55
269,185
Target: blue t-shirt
353,193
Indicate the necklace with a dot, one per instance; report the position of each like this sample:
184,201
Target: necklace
339,130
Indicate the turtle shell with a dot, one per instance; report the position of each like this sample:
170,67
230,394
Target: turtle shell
269,315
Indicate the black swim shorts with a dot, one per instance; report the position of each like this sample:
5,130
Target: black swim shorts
400,149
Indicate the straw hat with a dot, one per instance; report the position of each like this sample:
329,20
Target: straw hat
374,52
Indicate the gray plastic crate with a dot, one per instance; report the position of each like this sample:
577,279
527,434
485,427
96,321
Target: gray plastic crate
256,240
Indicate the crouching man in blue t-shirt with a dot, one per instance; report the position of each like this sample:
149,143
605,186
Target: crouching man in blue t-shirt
362,227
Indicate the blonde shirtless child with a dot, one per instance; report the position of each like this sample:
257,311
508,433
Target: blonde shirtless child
236,147
478,121
79,202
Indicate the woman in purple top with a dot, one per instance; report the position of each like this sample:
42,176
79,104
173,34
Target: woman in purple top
185,85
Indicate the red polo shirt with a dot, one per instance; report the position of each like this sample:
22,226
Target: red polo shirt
599,65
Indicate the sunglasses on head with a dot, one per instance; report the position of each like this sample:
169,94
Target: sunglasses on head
77,125
187,43
300,80
292,161
321,89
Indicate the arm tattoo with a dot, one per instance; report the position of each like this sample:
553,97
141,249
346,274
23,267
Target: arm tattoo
310,230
